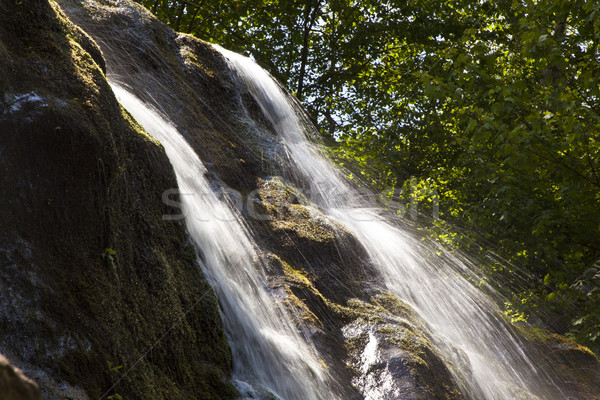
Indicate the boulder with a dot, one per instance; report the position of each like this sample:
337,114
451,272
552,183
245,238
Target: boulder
96,290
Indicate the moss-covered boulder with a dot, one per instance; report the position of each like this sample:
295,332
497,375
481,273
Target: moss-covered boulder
98,295
577,366
392,354
288,225
371,342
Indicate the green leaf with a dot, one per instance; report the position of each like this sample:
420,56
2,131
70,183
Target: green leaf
547,280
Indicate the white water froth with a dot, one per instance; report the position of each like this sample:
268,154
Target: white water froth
270,359
463,320
16,102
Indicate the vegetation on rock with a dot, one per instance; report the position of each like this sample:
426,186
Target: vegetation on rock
325,279
80,178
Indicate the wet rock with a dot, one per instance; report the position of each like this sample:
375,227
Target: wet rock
392,354
98,295
14,385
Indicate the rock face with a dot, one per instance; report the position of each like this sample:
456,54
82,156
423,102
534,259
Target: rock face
14,385
372,341
100,296
96,290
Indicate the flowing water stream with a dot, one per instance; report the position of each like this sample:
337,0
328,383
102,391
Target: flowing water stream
271,361
465,321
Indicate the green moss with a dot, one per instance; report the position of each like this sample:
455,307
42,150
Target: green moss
139,130
294,275
299,308
289,212
394,305
192,57
571,345
529,332
98,180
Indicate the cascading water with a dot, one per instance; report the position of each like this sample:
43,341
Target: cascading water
271,360
464,321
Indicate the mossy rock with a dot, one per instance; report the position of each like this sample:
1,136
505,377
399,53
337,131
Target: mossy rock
324,276
82,178
162,67
406,363
575,366
286,223
392,354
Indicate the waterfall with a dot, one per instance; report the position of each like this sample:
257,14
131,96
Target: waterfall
465,321
271,360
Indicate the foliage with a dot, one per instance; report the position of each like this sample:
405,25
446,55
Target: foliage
109,254
495,106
